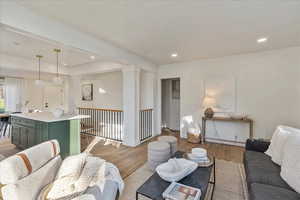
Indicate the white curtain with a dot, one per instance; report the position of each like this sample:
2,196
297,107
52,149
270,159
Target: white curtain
13,94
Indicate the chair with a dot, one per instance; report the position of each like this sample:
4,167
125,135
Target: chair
5,125
37,167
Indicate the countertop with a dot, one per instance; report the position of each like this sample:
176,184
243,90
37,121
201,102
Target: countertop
49,117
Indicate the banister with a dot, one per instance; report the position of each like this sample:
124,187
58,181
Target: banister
149,109
103,109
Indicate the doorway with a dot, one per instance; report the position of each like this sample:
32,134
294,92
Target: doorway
170,102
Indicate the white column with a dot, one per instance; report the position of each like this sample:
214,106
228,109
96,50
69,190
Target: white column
131,105
155,128
158,106
74,93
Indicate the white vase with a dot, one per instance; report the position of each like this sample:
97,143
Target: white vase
58,112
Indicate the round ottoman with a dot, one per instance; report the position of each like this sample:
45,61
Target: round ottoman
171,140
158,152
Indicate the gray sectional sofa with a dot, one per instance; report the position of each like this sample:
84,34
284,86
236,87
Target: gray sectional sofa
263,176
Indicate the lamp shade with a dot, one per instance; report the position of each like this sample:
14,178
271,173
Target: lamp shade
209,102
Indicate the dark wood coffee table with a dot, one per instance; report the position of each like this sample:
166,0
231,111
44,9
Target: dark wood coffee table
201,178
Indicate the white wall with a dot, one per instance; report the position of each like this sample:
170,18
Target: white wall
37,95
268,89
146,89
110,82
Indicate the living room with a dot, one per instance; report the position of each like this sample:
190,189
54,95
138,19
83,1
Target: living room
131,99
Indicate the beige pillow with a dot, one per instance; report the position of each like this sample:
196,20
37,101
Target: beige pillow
290,168
68,174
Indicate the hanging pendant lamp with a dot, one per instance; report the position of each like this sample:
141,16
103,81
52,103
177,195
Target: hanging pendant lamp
39,81
57,79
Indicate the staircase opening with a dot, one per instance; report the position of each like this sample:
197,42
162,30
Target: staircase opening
170,94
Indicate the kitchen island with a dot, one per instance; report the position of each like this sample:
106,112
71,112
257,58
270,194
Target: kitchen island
29,129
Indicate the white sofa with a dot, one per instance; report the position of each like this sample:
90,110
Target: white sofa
26,173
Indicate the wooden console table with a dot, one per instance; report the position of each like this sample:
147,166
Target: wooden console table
227,119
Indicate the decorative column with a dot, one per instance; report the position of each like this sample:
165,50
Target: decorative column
74,93
131,105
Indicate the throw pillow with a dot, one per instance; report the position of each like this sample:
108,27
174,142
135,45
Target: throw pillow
290,169
278,141
269,151
68,174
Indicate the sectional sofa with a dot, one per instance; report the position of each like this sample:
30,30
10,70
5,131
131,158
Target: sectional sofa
263,176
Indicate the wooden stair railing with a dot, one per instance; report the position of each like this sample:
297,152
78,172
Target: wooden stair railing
105,123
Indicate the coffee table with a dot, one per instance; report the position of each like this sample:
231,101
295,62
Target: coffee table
201,178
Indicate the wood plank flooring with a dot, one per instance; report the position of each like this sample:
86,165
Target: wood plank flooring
129,159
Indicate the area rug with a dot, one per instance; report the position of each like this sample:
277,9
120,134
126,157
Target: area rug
230,182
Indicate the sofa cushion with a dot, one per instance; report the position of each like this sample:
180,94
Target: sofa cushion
29,187
24,163
267,192
260,169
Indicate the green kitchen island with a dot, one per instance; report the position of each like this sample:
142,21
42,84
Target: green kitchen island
29,129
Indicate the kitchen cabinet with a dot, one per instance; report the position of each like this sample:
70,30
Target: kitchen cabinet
28,132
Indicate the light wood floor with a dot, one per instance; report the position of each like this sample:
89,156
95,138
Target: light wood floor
129,159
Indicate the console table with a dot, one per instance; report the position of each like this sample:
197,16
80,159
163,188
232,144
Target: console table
227,119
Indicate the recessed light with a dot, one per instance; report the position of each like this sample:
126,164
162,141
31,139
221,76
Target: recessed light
262,40
92,57
65,64
174,55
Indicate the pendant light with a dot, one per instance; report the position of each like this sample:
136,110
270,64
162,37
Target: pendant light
39,81
57,79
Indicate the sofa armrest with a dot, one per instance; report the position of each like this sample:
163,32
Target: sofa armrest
257,145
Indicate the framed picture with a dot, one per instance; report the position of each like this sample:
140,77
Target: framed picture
87,92
223,89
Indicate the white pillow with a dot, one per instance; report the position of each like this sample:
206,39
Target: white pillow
290,168
67,175
278,141
30,186
269,151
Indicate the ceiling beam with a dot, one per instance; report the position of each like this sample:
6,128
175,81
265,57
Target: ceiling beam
95,68
17,16
24,64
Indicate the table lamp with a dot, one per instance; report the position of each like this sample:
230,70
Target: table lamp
208,103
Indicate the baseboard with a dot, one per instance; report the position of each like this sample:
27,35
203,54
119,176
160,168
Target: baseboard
229,142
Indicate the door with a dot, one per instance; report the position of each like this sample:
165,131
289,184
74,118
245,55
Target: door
23,138
170,102
31,137
15,136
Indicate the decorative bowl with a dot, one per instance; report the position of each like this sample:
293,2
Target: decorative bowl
176,169
199,152
237,115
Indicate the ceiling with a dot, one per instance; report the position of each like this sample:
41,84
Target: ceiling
19,44
194,29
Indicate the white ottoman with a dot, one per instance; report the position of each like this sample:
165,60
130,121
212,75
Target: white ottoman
158,152
171,140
